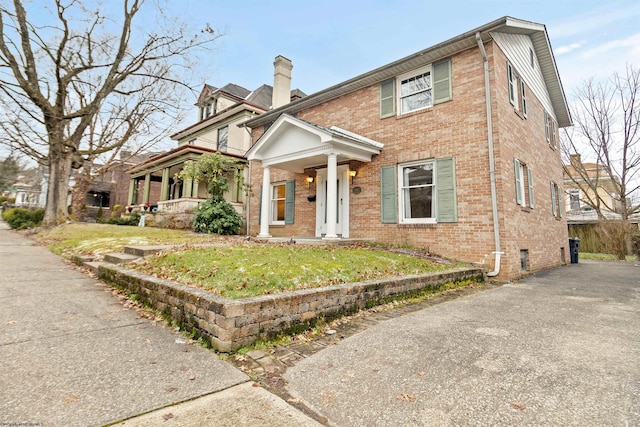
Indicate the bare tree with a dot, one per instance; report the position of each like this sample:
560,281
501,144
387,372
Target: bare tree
61,84
606,131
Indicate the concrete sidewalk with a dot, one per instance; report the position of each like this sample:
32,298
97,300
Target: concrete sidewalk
72,355
560,348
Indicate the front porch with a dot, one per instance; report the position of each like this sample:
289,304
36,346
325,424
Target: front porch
326,160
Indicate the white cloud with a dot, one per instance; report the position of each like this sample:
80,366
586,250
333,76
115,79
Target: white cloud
568,48
596,19
631,42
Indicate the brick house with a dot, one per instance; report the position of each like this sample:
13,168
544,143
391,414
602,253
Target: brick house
453,148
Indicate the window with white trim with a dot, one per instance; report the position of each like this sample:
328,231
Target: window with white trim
417,185
512,85
278,200
524,184
414,90
223,137
574,199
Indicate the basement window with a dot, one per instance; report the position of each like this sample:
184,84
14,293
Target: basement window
524,259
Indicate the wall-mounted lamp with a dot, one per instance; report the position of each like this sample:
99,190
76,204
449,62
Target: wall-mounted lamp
309,181
352,174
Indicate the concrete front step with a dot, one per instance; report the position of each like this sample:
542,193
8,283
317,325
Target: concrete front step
142,251
120,258
94,266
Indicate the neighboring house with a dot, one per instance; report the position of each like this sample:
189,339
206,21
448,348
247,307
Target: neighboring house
454,149
220,111
582,198
30,188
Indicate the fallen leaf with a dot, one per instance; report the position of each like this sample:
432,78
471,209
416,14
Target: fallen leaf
167,416
255,385
421,373
71,398
407,397
192,377
12,322
171,389
518,406
294,400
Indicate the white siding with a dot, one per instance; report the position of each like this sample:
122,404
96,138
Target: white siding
516,48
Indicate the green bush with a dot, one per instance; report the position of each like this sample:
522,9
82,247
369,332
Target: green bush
216,216
125,220
9,200
20,218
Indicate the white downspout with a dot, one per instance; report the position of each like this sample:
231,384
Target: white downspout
492,165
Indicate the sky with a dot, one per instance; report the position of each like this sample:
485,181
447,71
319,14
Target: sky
331,41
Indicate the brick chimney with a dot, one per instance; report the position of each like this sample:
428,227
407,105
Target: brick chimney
281,81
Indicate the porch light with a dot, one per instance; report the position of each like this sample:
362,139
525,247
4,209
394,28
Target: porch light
309,181
352,174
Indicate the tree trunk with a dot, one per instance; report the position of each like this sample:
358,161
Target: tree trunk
56,211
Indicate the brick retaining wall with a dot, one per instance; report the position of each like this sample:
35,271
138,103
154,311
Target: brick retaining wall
229,324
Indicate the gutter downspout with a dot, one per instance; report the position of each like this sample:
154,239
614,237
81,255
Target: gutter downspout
492,165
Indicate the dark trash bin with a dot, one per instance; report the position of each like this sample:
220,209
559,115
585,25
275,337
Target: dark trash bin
574,245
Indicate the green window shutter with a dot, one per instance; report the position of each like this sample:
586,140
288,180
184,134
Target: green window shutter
442,81
560,202
553,200
446,190
389,197
516,170
387,98
289,202
530,182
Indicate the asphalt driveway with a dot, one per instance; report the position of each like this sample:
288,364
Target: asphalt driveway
558,348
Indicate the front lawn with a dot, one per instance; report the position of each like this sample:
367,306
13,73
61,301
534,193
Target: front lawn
603,257
249,269
235,268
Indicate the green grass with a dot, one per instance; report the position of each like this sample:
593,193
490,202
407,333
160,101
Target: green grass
603,257
97,239
245,270
235,268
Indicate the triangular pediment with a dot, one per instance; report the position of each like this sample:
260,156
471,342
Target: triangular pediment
295,144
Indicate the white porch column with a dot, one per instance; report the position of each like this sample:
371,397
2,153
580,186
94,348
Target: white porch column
332,196
264,206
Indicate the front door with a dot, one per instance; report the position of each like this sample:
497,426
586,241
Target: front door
342,202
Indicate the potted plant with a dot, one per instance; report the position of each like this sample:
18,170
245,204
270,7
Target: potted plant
129,208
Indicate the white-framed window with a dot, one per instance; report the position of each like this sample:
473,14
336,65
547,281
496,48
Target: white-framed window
547,131
524,184
414,90
416,182
512,85
192,141
278,200
223,137
574,199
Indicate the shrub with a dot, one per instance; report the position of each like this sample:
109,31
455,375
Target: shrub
125,220
20,218
216,216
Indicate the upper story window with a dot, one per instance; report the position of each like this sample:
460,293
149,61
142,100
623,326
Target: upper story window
223,137
192,141
512,85
416,90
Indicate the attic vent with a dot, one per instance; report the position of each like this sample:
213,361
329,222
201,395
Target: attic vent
532,58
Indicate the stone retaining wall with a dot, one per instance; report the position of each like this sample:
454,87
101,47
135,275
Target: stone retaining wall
229,324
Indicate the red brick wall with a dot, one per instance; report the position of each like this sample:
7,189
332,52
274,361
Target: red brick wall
456,128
